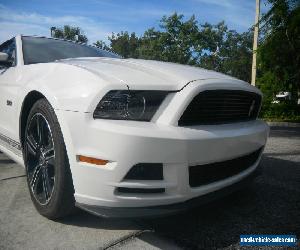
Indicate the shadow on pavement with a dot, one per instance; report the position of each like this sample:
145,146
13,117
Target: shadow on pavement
84,219
285,132
282,154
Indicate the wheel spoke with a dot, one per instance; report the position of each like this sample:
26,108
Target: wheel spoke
31,145
39,130
36,173
46,184
49,154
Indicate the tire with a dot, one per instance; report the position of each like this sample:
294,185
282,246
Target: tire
48,172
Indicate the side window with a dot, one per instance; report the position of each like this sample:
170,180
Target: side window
9,47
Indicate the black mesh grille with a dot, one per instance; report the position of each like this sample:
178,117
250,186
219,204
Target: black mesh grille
220,107
205,174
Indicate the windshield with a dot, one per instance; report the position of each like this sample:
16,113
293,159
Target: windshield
44,50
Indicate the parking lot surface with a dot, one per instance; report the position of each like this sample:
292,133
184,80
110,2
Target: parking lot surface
270,205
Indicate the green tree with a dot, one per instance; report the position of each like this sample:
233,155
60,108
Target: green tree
225,50
124,44
151,46
177,38
69,33
187,42
174,42
102,45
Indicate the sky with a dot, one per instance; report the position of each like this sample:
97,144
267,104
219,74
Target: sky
99,18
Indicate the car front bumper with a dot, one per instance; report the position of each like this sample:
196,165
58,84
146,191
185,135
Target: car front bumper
167,210
126,143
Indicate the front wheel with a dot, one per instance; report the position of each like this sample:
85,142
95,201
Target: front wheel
47,166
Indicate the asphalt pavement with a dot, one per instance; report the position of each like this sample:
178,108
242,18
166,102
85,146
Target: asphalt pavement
270,205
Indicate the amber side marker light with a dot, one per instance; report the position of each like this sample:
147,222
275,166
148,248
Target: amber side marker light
92,160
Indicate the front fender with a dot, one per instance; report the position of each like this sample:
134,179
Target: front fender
66,87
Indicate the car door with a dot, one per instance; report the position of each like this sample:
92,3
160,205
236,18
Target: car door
9,91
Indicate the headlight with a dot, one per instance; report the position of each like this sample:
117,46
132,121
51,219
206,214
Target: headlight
138,105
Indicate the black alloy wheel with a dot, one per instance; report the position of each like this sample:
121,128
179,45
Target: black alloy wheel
46,160
40,158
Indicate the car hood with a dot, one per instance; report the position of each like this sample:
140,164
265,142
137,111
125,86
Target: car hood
144,74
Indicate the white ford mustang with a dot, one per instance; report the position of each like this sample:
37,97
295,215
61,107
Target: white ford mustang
123,137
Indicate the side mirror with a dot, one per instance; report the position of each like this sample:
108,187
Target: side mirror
4,60
3,57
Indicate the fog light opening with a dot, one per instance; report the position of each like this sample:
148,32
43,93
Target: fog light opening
145,171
